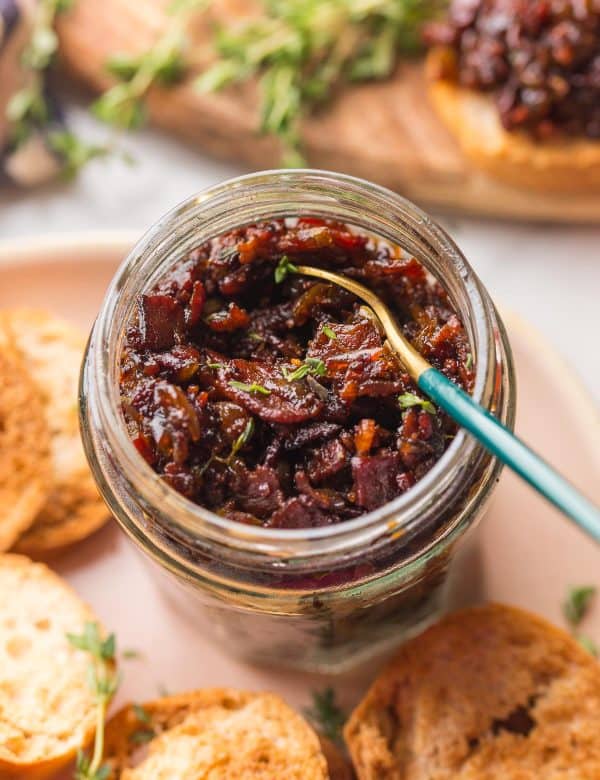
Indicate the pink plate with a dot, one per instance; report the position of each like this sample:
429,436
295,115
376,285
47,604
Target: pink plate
524,552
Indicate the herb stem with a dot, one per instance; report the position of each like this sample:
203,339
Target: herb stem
99,736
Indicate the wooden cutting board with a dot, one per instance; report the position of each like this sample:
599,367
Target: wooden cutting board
386,132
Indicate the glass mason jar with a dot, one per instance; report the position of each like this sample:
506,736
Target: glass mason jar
320,599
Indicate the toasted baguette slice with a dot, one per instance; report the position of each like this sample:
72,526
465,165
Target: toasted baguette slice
223,734
53,350
570,165
489,692
25,470
47,711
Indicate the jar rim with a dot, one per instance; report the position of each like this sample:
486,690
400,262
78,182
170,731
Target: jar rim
99,371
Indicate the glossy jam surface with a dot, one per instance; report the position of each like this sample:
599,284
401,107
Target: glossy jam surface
271,398
540,58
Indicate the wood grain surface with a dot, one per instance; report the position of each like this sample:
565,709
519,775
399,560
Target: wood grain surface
386,132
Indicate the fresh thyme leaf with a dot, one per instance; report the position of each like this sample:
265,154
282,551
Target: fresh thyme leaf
588,644
123,66
131,654
255,336
218,76
577,603
326,715
284,267
142,736
27,105
84,772
469,362
252,388
91,642
41,50
242,439
216,365
141,714
302,51
74,152
329,332
119,106
312,366
103,682
407,400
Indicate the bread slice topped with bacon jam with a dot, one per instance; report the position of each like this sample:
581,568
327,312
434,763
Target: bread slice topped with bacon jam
518,85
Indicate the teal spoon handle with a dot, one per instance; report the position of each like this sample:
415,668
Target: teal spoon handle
511,450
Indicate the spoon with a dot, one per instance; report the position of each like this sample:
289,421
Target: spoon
473,417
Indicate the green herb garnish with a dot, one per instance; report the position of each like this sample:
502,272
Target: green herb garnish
253,336
577,604
141,714
241,440
302,51
312,366
131,654
164,63
326,715
74,152
329,332
29,108
588,644
575,608
216,365
252,388
284,267
103,682
142,736
407,400
469,362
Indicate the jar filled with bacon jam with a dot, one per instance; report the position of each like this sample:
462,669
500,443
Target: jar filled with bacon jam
254,434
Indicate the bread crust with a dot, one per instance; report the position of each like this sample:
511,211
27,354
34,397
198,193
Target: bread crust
232,731
47,711
491,691
25,470
53,350
567,165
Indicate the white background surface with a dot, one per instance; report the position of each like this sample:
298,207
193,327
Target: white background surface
549,274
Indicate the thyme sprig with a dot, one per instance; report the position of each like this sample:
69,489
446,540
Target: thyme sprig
326,715
303,50
164,63
575,608
30,108
103,681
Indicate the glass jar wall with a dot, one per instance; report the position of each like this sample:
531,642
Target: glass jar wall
316,598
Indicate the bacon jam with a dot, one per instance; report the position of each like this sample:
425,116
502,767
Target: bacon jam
539,58
271,398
